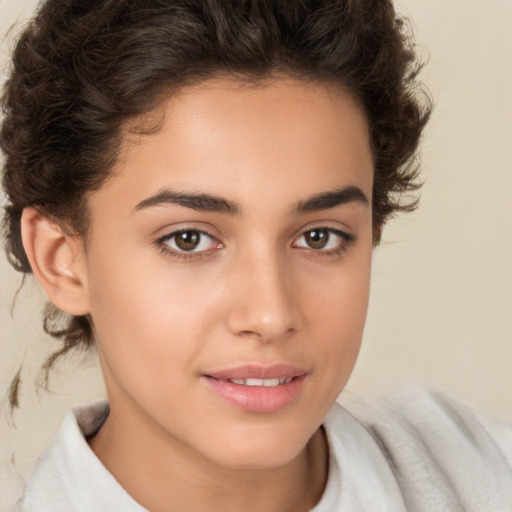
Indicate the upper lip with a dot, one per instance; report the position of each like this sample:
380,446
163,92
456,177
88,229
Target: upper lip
251,371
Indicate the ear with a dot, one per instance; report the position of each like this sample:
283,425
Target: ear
57,260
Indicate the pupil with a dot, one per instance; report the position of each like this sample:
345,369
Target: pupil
317,238
188,240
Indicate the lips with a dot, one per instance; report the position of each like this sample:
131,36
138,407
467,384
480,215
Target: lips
258,388
259,372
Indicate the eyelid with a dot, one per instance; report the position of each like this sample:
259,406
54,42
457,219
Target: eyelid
341,230
174,234
177,253
169,228
346,239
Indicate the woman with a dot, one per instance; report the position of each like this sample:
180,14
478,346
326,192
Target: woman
199,186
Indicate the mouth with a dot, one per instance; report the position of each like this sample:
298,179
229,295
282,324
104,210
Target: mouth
254,375
256,388
267,383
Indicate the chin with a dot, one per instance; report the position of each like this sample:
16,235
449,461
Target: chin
259,461
261,448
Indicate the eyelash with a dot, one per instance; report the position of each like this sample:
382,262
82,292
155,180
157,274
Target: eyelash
346,240
184,255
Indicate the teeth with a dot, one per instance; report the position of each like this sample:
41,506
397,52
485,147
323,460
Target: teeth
270,383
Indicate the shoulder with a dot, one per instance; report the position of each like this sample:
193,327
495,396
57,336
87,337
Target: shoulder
436,421
441,452
68,470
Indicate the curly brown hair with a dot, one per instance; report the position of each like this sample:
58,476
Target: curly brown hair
81,70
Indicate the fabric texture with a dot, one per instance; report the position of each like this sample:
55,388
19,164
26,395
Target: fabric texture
416,451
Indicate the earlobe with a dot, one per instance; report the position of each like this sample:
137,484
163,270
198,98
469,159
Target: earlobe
57,261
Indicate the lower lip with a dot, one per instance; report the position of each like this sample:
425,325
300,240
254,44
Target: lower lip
257,398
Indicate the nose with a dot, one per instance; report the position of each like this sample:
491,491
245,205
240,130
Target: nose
264,300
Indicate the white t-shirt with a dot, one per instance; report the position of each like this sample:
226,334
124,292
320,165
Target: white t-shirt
416,451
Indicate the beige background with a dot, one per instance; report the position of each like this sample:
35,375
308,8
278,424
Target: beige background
442,280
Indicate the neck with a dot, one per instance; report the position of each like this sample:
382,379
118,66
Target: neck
164,476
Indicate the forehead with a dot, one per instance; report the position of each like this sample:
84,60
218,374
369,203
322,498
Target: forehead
241,140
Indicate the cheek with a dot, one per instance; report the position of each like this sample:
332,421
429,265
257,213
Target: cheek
336,315
339,297
146,318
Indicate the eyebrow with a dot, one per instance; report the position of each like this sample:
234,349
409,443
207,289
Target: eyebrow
209,203
327,200
201,202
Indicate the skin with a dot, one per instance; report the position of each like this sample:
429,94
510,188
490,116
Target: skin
254,292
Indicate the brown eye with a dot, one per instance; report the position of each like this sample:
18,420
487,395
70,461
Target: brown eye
324,240
317,238
187,240
191,240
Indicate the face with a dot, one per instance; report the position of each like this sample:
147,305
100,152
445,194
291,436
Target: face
228,267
